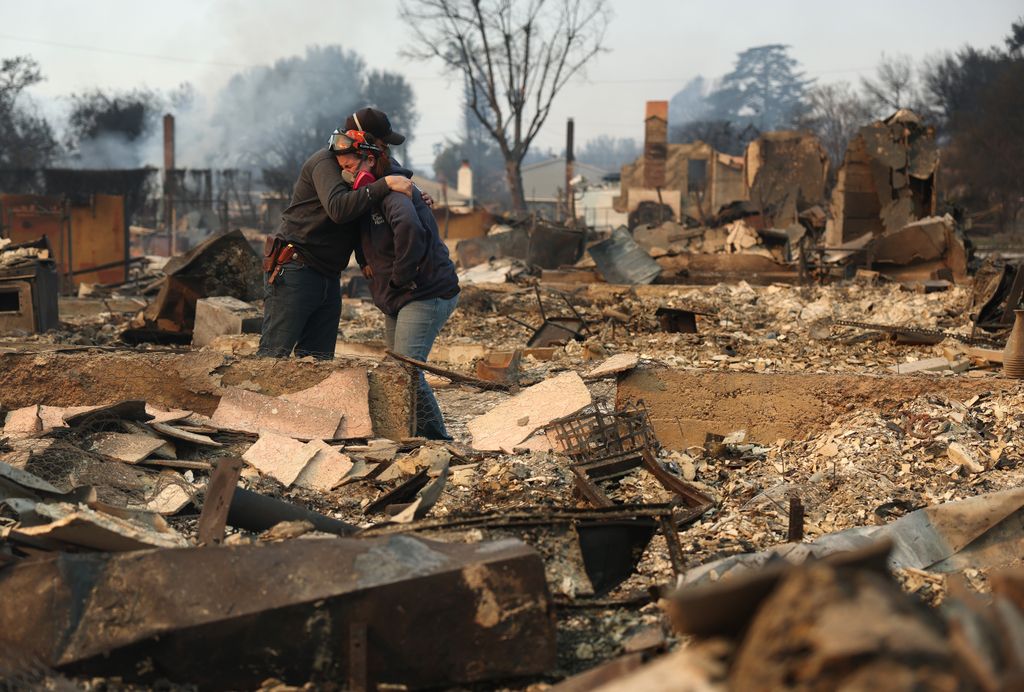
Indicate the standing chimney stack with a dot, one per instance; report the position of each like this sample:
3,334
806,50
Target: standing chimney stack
464,184
655,143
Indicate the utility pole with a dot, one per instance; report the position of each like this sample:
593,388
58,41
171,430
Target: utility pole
169,219
570,158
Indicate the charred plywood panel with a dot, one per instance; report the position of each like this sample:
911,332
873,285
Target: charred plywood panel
99,239
81,236
26,218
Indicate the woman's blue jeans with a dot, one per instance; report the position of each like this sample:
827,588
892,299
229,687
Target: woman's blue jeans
411,333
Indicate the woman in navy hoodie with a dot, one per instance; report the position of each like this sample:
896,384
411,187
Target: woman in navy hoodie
412,279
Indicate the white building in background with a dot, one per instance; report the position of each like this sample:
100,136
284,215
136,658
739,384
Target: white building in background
594,204
444,195
544,188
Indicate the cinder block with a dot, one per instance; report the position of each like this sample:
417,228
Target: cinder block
221,315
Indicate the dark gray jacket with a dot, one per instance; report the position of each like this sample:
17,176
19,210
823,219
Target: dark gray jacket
401,243
320,219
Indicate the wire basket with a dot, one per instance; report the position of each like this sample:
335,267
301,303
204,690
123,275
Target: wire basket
600,432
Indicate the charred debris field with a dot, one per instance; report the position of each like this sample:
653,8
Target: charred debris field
634,504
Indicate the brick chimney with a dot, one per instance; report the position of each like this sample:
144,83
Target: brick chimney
655,143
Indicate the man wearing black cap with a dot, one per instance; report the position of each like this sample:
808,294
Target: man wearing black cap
311,246
376,123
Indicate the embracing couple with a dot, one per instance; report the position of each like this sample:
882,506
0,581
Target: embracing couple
352,197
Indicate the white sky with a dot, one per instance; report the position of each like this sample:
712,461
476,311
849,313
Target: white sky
655,47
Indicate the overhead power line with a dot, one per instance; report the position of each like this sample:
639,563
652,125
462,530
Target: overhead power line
412,78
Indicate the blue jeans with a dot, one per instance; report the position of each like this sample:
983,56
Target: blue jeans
301,312
411,333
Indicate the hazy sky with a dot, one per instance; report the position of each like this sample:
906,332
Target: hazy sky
655,47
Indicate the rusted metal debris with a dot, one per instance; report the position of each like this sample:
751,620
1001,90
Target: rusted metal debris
554,330
622,261
609,444
795,532
914,335
612,539
597,433
256,512
677,320
500,366
339,610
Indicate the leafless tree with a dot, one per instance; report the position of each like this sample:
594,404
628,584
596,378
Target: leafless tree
835,113
894,86
515,55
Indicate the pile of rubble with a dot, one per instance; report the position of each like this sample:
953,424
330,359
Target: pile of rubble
645,481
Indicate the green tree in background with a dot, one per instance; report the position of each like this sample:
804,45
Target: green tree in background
766,89
26,139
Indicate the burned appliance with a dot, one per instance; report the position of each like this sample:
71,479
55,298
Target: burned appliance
29,287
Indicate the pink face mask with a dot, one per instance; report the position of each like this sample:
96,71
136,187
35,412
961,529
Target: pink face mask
363,178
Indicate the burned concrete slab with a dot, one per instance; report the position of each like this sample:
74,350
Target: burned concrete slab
82,527
341,610
620,362
512,421
176,433
23,421
164,416
221,315
129,448
685,406
325,470
191,381
127,409
279,456
346,391
240,409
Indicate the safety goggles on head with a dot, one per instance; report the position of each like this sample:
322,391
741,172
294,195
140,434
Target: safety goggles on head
351,141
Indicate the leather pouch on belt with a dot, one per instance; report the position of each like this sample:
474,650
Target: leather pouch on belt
271,247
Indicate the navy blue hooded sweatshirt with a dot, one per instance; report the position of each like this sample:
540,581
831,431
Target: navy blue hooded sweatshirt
401,243
322,207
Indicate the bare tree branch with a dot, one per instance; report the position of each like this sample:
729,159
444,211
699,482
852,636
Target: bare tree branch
514,55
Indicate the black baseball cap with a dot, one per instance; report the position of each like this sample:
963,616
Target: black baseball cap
376,123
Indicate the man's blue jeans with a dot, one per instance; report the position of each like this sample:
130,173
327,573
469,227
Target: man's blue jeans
411,333
301,312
